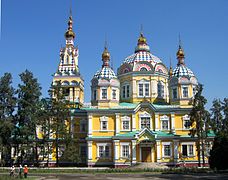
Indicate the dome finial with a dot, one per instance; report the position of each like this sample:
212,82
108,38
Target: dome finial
141,39
170,68
105,55
180,53
70,33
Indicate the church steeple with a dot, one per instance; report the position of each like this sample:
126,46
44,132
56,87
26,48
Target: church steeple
180,54
69,34
105,56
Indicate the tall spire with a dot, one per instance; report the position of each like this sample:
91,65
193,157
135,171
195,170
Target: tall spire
180,53
70,33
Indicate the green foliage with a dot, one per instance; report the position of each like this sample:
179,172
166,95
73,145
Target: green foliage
7,106
200,122
60,113
219,153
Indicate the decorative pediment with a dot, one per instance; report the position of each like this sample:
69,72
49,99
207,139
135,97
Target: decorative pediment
145,134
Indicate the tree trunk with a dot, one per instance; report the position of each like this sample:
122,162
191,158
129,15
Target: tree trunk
198,153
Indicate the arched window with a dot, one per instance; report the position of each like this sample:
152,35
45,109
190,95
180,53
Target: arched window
143,69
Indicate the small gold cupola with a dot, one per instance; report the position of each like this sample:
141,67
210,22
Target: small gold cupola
70,33
141,39
105,57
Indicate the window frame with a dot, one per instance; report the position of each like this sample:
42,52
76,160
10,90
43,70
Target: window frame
183,91
104,152
163,119
188,145
161,89
103,119
145,115
123,155
186,118
165,144
106,89
143,84
114,90
125,119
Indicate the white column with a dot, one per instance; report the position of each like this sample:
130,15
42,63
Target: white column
133,122
156,121
158,144
134,89
175,150
133,143
72,126
116,150
90,150
71,95
90,125
172,123
117,123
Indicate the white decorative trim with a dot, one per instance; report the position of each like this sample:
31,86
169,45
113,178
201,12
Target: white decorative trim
117,123
156,122
158,144
186,117
89,150
116,149
101,93
104,145
121,150
125,118
133,122
163,149
164,118
145,114
133,142
102,119
172,121
90,125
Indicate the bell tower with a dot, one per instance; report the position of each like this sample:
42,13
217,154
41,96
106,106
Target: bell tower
68,71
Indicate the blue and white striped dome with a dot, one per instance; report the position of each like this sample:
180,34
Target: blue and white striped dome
182,70
106,73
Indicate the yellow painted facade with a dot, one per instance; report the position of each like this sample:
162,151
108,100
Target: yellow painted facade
139,115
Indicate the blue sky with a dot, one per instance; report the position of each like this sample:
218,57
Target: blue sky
32,32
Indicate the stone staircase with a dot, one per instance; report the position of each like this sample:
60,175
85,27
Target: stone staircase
149,166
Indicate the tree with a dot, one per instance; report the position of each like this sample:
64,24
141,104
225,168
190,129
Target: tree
29,92
216,116
7,107
199,120
60,113
219,153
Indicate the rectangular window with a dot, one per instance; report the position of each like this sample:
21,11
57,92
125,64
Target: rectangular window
184,150
128,91
94,94
114,94
104,93
190,150
160,90
145,122
146,89
141,90
126,125
104,151
101,151
186,123
175,93
165,124
124,92
185,92
125,151
104,125
167,150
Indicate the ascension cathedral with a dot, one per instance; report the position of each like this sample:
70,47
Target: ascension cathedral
139,114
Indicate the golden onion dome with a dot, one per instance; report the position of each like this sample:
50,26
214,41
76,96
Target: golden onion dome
105,54
69,33
142,39
180,53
